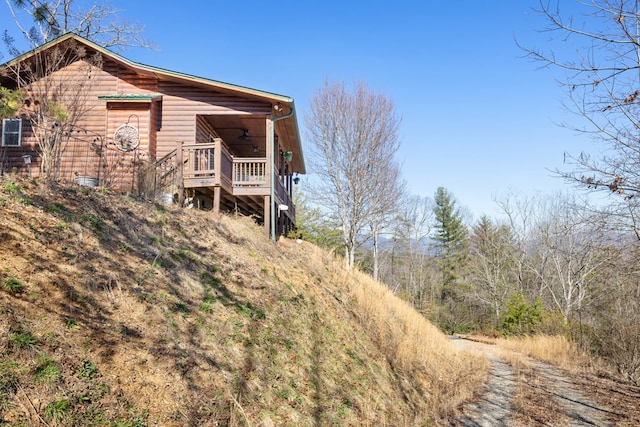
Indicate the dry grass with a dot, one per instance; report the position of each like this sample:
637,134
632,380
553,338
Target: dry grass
535,406
156,315
416,348
532,403
555,350
432,375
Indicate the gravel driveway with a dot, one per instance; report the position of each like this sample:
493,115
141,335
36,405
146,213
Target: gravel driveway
555,396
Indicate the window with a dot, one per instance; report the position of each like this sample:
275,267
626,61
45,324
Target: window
11,132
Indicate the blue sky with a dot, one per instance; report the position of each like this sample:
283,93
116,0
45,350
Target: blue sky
477,117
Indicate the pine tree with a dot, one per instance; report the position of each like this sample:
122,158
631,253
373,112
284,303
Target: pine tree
451,237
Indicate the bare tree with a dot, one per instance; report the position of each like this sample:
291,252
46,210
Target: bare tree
354,138
522,215
492,264
48,19
384,206
616,315
560,250
408,267
602,86
573,250
54,83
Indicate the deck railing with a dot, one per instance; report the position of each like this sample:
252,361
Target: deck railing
159,177
226,167
211,164
199,160
283,195
249,172
166,170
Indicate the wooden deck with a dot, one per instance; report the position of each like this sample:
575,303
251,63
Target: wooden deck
211,166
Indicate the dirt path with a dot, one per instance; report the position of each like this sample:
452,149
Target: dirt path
540,396
494,408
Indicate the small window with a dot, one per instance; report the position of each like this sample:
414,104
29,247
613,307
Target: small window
11,132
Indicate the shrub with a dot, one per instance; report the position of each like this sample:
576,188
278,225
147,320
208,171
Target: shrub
8,386
47,370
23,339
206,307
96,223
55,208
13,286
8,380
521,318
617,342
12,188
57,410
87,370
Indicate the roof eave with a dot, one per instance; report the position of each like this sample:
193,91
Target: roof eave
160,73
155,71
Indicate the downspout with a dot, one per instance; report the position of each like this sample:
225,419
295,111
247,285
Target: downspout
271,148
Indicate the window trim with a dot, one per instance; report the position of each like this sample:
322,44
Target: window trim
6,132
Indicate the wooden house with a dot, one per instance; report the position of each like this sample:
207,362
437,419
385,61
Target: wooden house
160,133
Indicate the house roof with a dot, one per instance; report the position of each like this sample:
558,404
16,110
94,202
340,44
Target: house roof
163,74
151,70
132,97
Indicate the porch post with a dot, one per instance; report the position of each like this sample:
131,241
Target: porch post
179,175
217,170
217,162
270,216
271,152
216,199
267,212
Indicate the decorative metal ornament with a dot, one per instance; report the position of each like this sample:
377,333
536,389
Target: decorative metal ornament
126,138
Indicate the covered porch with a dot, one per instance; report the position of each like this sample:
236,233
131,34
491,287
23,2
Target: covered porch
240,164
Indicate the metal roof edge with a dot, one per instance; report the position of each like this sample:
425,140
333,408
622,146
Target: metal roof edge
148,68
272,97
131,97
40,48
295,122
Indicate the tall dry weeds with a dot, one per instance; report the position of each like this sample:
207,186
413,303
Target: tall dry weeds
196,319
555,350
441,377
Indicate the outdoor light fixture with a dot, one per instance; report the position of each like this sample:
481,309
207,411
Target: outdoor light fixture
245,135
296,179
277,107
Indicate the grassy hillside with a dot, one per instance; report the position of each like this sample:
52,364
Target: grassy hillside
118,312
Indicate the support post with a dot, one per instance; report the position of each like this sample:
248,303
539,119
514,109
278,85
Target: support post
216,199
179,173
217,161
267,214
271,224
271,152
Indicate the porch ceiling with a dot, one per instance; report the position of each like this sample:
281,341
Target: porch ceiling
230,128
